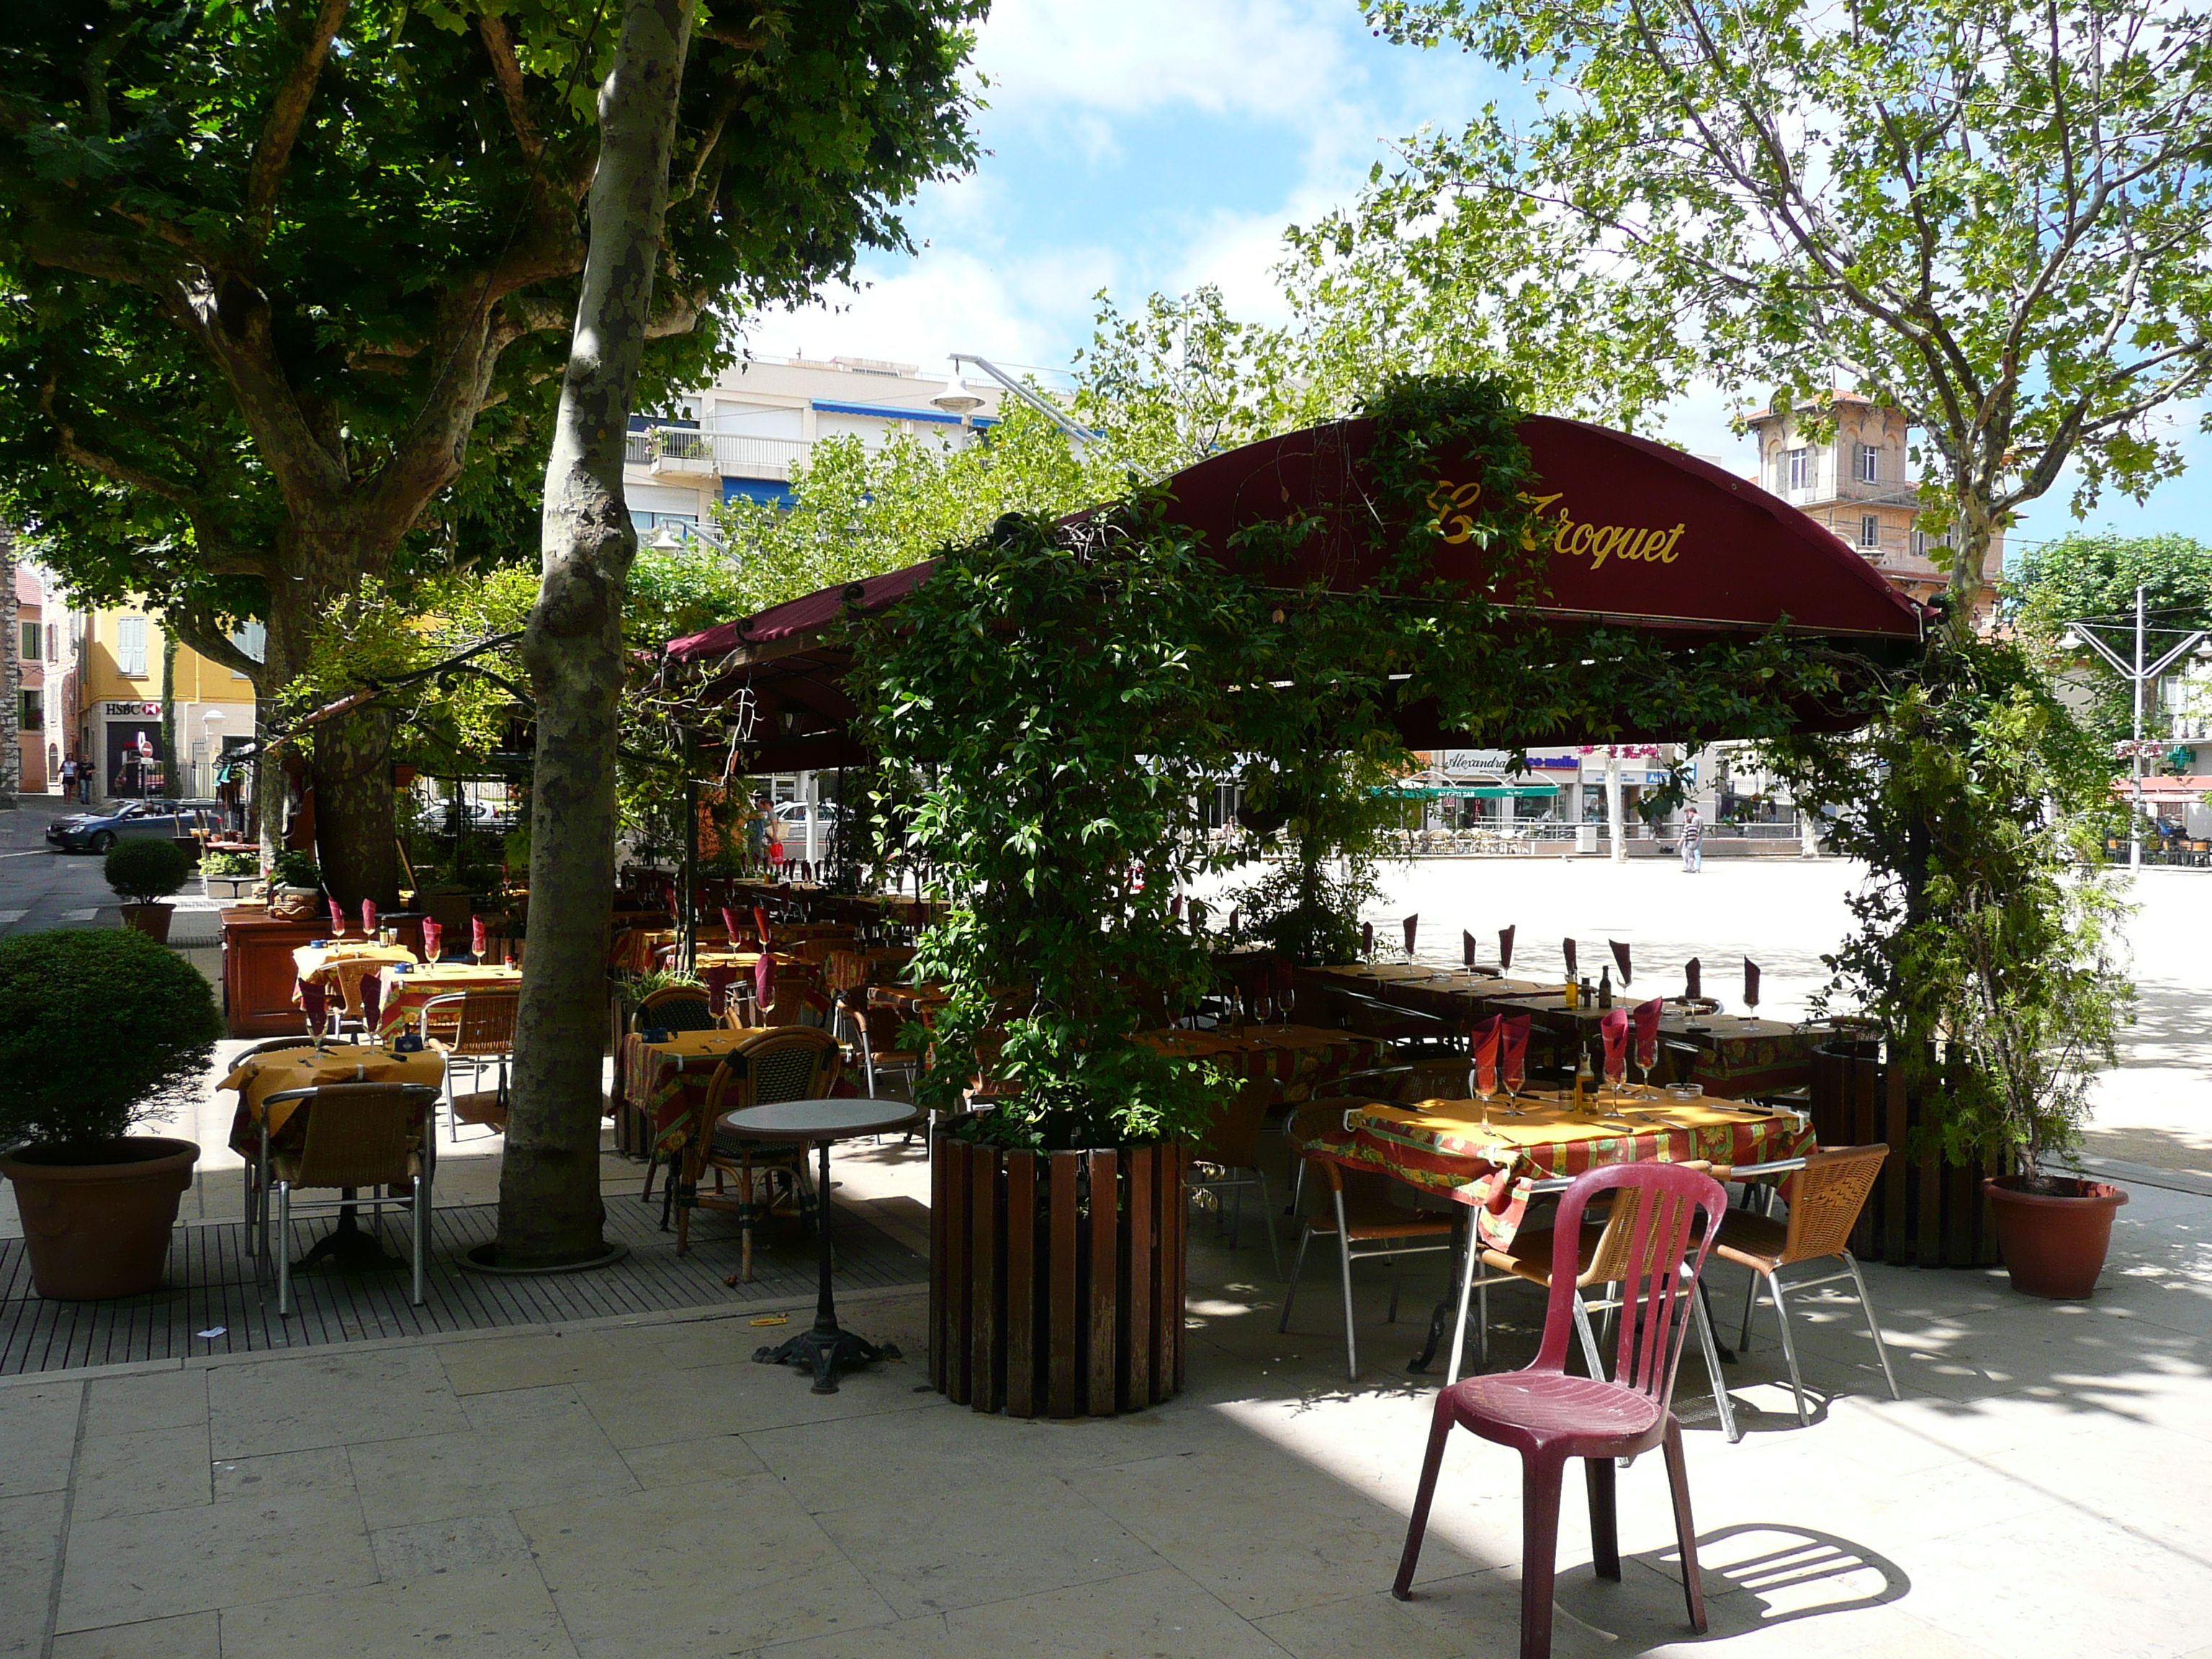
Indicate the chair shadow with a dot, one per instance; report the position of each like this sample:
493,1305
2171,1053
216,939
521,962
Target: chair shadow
1788,1574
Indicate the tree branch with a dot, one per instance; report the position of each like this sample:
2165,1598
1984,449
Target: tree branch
272,155
499,45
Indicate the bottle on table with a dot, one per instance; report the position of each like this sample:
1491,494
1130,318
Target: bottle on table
1605,988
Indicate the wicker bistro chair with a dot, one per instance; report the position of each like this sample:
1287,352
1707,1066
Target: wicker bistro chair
1230,1157
482,1035
357,1135
360,996
1831,1192
1549,1416
1366,1224
674,1008
789,1062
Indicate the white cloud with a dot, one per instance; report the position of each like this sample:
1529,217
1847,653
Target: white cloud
1251,56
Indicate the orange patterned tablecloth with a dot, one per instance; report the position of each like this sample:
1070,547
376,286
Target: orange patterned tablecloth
405,993
1443,1146
667,1081
328,965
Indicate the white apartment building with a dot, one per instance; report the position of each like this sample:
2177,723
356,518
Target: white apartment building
741,435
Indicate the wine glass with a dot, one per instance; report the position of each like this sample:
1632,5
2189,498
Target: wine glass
1286,1000
1514,1073
1616,1072
1482,1091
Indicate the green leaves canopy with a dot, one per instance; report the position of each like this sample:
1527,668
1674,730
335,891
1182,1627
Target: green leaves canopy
1989,216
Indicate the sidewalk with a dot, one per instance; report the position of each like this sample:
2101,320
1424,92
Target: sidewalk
638,1487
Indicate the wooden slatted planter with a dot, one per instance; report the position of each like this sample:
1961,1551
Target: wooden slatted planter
1057,1279
1922,1212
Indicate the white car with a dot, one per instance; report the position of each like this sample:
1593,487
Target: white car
792,815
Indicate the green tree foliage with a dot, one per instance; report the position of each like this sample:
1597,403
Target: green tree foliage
1986,216
144,869
1985,932
284,291
2088,574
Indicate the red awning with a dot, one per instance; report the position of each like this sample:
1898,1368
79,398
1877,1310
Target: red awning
1647,537
2189,789
1644,535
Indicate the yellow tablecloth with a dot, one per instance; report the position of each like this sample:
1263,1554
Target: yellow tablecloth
667,1081
258,1076
332,965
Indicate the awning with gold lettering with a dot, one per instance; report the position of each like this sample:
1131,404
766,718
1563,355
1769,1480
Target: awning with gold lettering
1645,537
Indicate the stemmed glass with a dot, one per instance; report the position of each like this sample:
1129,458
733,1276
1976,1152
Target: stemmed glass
1616,1073
1285,998
1514,1073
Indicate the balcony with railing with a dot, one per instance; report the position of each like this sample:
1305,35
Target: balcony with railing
682,452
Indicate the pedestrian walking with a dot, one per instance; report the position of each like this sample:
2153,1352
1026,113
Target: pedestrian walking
1694,842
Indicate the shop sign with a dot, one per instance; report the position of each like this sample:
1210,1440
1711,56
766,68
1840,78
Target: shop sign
128,710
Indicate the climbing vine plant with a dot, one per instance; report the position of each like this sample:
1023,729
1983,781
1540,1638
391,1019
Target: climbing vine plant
1063,696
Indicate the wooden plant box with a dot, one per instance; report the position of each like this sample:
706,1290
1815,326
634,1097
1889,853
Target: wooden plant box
1047,1298
1922,1212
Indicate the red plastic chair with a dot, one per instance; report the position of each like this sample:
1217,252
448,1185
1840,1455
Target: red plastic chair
1549,1416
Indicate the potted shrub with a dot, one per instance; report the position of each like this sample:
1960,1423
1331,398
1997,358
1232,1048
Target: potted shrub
1980,806
1036,695
143,873
99,1029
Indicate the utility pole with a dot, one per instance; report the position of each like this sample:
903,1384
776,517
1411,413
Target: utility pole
1616,820
2138,674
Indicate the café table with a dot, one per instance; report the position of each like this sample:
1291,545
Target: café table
408,986
257,1077
1741,1055
336,961
667,1082
1497,1168
825,1348
1291,1060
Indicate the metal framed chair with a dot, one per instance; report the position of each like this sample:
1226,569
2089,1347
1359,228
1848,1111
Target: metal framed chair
1549,1416
870,1034
357,1135
1831,1192
482,1035
254,1171
1366,1224
674,1008
784,1062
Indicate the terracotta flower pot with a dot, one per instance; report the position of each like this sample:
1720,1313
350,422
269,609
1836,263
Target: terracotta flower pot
96,1230
2054,1243
151,920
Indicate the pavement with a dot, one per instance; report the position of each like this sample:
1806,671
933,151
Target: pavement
637,1487
40,888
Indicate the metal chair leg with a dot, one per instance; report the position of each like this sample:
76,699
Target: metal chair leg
1468,1255
1789,1346
1391,1318
1750,1305
1350,1328
1267,1225
1290,1290
284,1249
1873,1326
1711,1350
422,1219
1591,1357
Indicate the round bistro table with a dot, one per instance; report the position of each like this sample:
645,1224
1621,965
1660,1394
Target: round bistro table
825,1349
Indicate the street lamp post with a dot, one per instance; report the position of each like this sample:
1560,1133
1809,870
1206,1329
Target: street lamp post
2138,674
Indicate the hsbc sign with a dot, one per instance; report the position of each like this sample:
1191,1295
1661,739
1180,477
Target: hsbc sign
134,710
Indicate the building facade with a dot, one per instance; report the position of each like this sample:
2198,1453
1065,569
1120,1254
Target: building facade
742,435
1858,482
36,640
145,715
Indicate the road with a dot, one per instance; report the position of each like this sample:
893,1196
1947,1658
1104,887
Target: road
40,888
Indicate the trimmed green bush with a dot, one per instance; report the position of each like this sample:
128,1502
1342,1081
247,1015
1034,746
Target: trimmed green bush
99,1029
145,872
230,864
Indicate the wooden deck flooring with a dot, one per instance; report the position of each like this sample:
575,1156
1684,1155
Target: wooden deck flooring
212,1288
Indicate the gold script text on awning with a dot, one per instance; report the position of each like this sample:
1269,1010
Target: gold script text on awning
1454,505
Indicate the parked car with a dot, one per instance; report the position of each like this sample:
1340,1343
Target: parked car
437,817
136,820
792,815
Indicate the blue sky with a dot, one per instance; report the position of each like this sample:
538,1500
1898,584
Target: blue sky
1144,145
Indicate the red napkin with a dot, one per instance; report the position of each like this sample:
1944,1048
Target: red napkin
718,981
1232,921
765,983
1567,950
1689,980
1750,983
1466,948
1513,1051
1174,908
1615,1029
372,1001
1647,1032
432,932
730,922
767,932
368,917
1366,939
1620,959
1410,923
337,919
317,1004
1486,1055
479,939
1505,948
